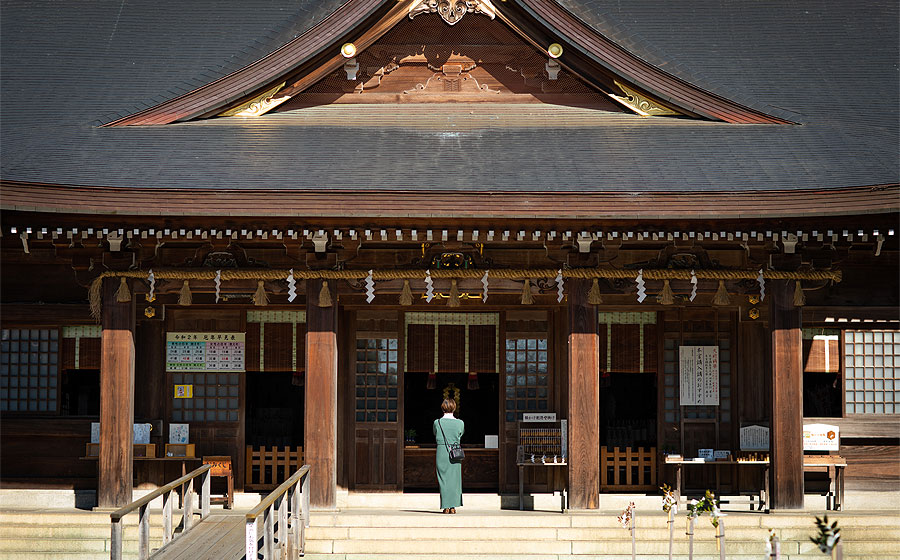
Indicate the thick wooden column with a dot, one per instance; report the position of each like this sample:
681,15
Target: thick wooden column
786,435
320,424
584,399
116,399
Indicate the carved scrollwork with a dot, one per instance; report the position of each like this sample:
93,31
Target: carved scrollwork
640,103
451,11
259,105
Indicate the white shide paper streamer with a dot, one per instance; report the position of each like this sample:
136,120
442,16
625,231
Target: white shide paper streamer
693,285
559,286
292,286
484,292
429,286
218,284
641,290
762,285
370,288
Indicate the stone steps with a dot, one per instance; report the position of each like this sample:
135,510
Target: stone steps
498,535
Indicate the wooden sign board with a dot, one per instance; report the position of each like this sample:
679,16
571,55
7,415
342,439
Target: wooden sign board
204,351
699,371
221,464
821,437
539,417
754,438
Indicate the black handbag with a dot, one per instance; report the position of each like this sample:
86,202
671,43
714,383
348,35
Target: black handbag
456,453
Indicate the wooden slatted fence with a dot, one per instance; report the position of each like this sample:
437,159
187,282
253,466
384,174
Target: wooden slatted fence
628,468
267,467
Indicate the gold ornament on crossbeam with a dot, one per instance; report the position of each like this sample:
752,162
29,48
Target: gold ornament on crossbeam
451,11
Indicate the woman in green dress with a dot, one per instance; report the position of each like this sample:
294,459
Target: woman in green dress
448,430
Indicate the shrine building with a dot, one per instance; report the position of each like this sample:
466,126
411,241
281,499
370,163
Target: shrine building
285,231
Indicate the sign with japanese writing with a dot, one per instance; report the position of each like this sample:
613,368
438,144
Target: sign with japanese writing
539,417
699,370
754,438
821,437
199,352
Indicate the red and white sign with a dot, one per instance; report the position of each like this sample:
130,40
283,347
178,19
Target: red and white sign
821,437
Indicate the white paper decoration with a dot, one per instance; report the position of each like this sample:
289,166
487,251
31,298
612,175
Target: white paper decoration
693,285
559,286
292,286
641,290
484,292
429,286
370,288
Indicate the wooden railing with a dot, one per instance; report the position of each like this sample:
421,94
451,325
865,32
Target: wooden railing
168,492
266,468
292,497
627,468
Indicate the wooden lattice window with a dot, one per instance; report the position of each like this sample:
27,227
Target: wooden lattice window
527,377
377,381
215,397
29,370
872,382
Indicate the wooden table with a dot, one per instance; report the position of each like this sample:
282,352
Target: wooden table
522,482
835,482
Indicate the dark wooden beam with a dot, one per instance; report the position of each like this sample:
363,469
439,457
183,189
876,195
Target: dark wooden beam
320,427
584,399
114,484
786,441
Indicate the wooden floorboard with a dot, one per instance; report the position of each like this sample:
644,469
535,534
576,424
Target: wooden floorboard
219,537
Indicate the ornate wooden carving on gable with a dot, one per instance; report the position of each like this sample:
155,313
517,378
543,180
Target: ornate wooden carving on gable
452,11
475,60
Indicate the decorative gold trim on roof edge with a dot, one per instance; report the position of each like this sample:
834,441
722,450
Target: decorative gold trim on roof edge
640,103
259,105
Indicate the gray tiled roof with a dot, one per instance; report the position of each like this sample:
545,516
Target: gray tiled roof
67,66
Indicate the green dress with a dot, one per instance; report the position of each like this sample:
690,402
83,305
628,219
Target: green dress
449,474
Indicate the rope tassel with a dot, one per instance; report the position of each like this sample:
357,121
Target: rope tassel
325,296
472,383
453,300
799,296
260,298
721,297
666,297
122,294
594,296
184,298
527,298
406,296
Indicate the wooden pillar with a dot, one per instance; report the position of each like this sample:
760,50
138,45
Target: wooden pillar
584,399
320,424
114,482
786,435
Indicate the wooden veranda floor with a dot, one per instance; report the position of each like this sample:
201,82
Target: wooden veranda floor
218,537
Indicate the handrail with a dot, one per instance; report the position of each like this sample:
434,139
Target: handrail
186,482
293,495
123,511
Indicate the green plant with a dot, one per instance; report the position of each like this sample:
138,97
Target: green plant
828,535
709,504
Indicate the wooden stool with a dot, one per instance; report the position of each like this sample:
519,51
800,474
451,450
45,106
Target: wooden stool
221,466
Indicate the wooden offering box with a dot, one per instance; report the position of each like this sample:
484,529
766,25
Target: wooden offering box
180,450
139,450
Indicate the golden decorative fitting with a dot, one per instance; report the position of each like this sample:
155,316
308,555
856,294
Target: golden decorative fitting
753,299
451,11
555,50
753,313
348,50
640,103
259,105
149,312
149,298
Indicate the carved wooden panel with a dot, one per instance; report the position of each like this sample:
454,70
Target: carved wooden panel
481,468
424,60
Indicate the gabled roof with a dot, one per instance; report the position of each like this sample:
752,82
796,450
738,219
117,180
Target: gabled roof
68,67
